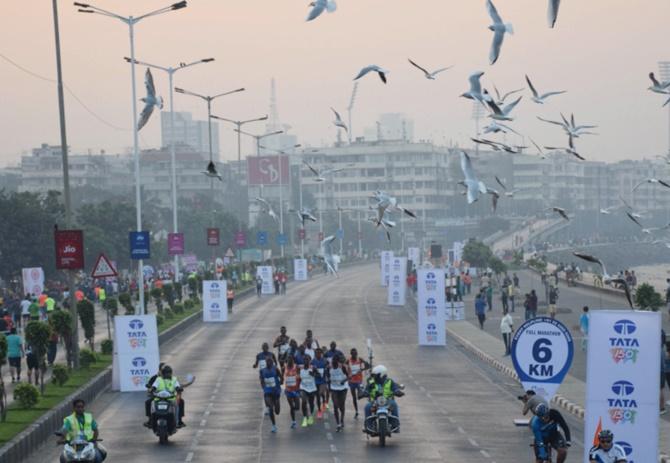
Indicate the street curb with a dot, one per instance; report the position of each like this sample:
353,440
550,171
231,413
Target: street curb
558,399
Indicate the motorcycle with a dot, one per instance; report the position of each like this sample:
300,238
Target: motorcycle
381,423
165,412
78,450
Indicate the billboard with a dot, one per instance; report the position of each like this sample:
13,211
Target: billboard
136,354
430,307
33,280
265,272
213,237
300,269
386,267
69,249
397,288
175,244
214,304
264,170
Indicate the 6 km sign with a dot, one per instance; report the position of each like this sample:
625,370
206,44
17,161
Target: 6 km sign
542,351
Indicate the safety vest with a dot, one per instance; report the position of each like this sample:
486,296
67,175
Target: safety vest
75,429
387,390
162,384
102,295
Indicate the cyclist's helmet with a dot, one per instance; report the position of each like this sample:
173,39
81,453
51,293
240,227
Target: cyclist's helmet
605,435
379,371
167,371
541,410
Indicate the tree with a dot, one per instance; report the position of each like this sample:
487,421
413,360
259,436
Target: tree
87,317
646,298
3,352
61,323
37,337
477,254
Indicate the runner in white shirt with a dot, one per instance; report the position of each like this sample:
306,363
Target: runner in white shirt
338,374
607,451
308,374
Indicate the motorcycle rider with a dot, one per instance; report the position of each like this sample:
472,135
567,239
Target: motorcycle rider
379,383
545,425
165,382
81,422
149,386
607,451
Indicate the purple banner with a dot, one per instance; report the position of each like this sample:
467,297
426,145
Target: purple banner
175,244
240,239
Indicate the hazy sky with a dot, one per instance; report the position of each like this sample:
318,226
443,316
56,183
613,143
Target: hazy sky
600,51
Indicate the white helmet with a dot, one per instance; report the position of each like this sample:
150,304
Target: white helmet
379,370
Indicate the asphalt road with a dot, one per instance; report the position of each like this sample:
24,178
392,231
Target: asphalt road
456,408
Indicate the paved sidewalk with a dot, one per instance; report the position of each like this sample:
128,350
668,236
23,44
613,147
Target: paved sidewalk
572,392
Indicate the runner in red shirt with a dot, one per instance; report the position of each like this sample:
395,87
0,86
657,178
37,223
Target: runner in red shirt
357,366
292,388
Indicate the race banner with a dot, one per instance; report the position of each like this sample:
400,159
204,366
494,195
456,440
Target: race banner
300,269
175,244
214,304
213,237
542,351
386,257
264,170
414,254
397,287
136,353
430,307
33,280
69,249
265,272
622,370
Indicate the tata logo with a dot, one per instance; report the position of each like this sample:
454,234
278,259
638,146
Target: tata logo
430,301
622,408
136,324
139,362
625,327
431,327
139,237
69,249
396,278
214,285
626,447
215,305
430,276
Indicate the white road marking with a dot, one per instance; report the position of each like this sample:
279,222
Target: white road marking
189,457
326,425
461,430
473,442
329,436
333,448
203,423
485,453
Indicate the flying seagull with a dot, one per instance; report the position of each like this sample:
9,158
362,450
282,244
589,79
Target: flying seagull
552,12
537,98
327,253
500,100
429,75
647,231
502,114
338,121
267,208
304,214
319,6
651,181
499,29
474,186
386,202
607,279
560,211
495,127
539,150
211,171
659,87
569,127
373,68
149,101
475,91
628,206
570,149
498,146
508,193
386,224
320,174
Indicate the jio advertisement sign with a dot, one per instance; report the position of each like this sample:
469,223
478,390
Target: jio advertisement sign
136,354
214,304
397,282
265,272
386,257
622,376
430,307
300,269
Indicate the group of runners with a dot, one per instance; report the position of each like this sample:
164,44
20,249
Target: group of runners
311,377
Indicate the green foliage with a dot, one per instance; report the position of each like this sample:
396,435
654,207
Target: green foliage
107,347
87,357
3,349
160,319
127,303
157,294
87,317
177,291
112,306
168,313
61,322
60,374
538,264
178,308
477,253
37,336
646,298
188,304
168,294
497,265
195,300
26,395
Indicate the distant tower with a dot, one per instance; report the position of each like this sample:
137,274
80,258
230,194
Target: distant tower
273,123
477,113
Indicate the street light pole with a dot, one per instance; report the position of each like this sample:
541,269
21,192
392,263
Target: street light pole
130,21
173,157
340,231
360,237
302,240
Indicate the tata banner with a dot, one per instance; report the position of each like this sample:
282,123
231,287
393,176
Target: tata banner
397,287
136,354
265,272
542,351
622,368
33,280
214,304
430,307
300,269
264,170
386,266
414,254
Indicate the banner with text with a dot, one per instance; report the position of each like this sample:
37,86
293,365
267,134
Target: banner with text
386,257
397,289
264,170
265,272
622,367
430,307
214,304
136,354
33,280
300,269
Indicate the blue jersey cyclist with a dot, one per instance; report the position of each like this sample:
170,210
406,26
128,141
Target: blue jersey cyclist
271,380
545,426
607,451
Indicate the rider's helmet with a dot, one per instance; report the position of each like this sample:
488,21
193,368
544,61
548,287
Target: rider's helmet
605,437
379,372
541,410
166,372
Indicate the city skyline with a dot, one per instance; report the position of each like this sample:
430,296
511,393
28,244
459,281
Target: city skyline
316,61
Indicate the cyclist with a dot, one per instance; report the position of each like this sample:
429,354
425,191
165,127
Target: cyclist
607,451
545,426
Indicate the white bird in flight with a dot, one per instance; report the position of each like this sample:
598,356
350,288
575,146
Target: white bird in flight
474,186
570,149
149,101
659,87
320,174
429,75
539,150
304,214
560,211
569,127
552,12
386,202
537,98
338,121
267,208
495,127
500,99
211,171
319,6
508,193
607,279
373,68
499,29
502,114
651,181
475,91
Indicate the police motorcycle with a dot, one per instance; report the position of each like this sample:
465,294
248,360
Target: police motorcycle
165,413
381,422
78,450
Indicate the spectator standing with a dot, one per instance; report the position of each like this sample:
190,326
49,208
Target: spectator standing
504,298
480,309
25,312
584,326
489,296
230,298
282,280
553,300
532,304
14,353
467,280
52,348
506,329
259,285
276,282
515,279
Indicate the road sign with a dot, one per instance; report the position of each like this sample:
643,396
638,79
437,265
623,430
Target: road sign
229,253
339,234
320,236
262,238
240,238
140,246
213,237
69,249
103,268
175,244
301,234
282,240
542,350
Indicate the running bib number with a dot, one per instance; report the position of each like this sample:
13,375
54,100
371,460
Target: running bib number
283,348
320,370
261,364
270,382
291,381
355,368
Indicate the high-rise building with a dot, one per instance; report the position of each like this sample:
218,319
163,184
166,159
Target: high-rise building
190,132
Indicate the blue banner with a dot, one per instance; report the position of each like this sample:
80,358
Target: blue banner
282,240
140,245
262,238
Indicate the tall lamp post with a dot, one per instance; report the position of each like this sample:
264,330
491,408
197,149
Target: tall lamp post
170,71
664,68
258,138
130,21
